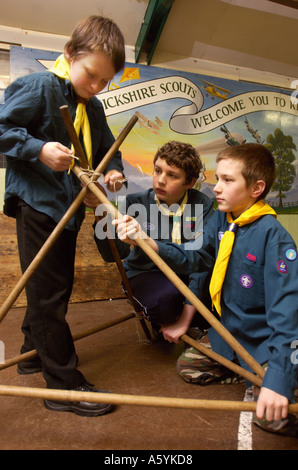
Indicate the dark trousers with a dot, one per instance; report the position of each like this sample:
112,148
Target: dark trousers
160,300
48,292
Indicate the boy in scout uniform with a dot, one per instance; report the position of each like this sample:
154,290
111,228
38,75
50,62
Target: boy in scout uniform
254,283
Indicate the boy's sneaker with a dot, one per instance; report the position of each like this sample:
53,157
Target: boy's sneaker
195,333
81,408
32,366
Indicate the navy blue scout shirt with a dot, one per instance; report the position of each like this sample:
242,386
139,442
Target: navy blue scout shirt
260,294
29,118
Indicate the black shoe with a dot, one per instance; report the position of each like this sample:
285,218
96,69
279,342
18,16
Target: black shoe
29,367
82,408
196,333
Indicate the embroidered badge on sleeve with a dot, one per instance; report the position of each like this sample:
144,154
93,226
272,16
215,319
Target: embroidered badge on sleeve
282,267
291,254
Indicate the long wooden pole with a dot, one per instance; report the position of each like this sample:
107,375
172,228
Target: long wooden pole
222,360
133,400
20,285
8,303
91,331
127,287
112,150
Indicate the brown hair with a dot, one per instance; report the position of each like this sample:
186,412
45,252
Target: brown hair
182,156
257,163
94,34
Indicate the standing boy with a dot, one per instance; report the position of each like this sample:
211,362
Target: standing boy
254,285
169,211
40,189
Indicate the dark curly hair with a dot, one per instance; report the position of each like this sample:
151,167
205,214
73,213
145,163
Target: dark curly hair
183,156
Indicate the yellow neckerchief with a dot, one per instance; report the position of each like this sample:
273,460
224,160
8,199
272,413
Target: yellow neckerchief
257,210
62,69
176,232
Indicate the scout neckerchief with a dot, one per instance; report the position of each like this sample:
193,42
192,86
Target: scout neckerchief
257,210
176,232
62,69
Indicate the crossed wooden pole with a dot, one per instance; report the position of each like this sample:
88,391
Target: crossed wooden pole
63,395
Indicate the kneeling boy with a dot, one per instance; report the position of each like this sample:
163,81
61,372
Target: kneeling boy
169,211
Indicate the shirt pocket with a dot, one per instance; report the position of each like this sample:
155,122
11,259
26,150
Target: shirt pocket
246,284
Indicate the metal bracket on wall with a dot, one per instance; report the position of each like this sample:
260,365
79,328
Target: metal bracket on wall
151,29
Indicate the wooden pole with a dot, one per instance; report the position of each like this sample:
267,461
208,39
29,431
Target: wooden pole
137,400
216,357
31,354
127,287
77,146
20,285
8,303
73,136
222,360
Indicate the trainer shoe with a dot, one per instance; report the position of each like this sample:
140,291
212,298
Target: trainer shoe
82,408
196,333
32,366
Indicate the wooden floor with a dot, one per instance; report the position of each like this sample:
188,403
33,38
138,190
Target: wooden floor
120,360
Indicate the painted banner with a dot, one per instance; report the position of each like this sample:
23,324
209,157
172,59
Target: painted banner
209,113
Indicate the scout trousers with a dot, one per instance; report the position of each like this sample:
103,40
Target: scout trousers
48,293
161,301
